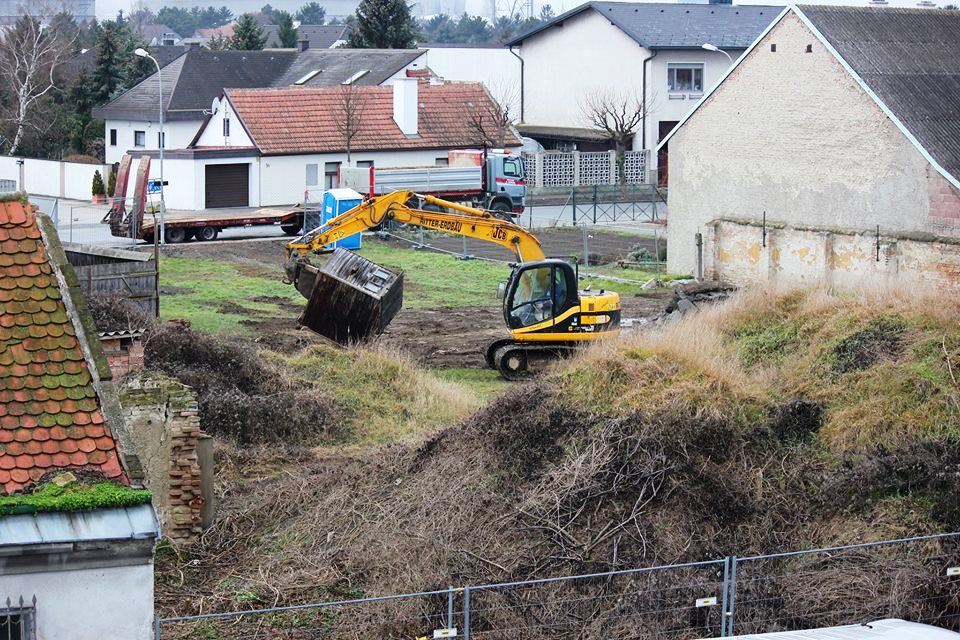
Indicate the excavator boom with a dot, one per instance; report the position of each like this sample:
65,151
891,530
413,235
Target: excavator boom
459,220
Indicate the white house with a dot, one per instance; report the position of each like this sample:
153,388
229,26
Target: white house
495,66
193,80
81,568
632,51
265,147
828,154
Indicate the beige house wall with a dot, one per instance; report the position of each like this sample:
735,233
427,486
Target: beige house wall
792,134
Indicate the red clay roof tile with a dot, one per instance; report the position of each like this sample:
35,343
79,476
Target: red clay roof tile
302,119
49,413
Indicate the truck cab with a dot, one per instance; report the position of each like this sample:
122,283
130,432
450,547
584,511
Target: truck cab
505,181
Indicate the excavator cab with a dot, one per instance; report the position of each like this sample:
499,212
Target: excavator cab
538,293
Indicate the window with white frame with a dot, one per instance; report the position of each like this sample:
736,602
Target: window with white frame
139,138
685,78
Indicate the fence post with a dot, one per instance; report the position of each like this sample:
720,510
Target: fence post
699,273
576,168
450,592
573,196
594,204
731,602
466,613
156,627
723,602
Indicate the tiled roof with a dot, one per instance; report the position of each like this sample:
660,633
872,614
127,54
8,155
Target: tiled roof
910,58
50,417
658,25
304,120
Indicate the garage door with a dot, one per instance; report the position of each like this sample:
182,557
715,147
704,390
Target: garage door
227,185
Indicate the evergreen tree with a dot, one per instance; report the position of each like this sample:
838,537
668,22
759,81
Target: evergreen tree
247,34
112,54
383,24
311,13
286,33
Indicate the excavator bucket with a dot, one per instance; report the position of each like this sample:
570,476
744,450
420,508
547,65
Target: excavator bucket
350,298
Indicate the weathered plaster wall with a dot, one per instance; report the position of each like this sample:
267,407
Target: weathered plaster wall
745,253
164,422
88,604
790,133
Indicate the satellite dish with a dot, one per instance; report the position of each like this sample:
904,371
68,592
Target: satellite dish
215,106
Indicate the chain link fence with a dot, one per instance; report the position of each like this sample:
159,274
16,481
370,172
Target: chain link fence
912,578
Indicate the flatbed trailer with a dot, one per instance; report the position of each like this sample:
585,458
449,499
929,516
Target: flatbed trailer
182,227
206,226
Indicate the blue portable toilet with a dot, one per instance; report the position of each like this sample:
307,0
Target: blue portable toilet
337,201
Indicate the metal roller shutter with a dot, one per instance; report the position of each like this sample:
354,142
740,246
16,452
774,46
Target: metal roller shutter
227,185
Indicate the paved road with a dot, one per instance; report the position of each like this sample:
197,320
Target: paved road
80,222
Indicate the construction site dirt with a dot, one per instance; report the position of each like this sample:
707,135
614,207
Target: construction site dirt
437,338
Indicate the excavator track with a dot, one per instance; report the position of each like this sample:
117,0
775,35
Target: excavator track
513,359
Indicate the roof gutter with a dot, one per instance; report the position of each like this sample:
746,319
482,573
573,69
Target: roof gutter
643,123
517,56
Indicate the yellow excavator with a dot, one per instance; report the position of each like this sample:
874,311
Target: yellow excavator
546,314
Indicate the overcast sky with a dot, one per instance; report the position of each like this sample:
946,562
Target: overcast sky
107,9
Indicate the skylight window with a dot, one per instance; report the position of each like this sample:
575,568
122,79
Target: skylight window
307,78
356,76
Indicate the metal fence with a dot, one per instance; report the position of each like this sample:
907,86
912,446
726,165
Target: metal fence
912,578
597,205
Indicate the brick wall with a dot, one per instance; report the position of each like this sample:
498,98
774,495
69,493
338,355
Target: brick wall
944,206
124,354
164,422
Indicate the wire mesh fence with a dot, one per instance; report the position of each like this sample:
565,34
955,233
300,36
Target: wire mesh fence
673,602
915,579
596,204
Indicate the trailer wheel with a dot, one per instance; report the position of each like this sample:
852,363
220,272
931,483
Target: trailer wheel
148,238
206,234
175,235
291,228
502,209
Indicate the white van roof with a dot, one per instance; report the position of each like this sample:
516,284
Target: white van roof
891,629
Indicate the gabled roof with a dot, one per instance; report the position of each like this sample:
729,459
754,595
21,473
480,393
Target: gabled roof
50,412
904,59
87,61
192,81
324,67
910,60
303,120
318,36
675,26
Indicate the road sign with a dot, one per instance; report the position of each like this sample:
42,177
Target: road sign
153,186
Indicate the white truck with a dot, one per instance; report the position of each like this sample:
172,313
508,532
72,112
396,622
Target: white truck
889,629
492,180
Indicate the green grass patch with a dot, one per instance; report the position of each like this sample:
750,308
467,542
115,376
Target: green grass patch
384,397
217,296
74,497
484,383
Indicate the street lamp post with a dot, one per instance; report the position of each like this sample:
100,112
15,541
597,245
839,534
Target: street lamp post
716,49
163,141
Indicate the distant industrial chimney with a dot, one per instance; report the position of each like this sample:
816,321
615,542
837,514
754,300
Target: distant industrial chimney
405,105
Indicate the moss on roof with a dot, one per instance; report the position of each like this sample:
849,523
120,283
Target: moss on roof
73,497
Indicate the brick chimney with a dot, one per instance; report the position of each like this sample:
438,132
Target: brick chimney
405,105
303,44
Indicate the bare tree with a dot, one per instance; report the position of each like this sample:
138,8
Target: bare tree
492,120
29,56
617,114
349,114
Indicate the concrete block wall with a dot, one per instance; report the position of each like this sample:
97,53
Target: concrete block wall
164,421
745,252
